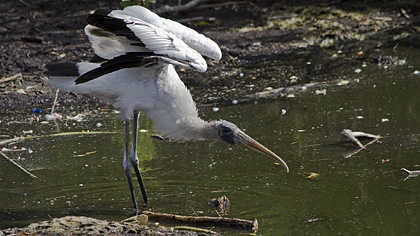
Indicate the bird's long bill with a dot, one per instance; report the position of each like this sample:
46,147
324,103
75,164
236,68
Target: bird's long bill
247,142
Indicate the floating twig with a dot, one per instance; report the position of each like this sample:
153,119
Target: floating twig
20,167
401,189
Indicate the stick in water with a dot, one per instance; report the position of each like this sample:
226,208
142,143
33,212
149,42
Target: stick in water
20,167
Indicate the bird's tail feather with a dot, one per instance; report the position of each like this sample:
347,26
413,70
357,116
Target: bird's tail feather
62,69
63,75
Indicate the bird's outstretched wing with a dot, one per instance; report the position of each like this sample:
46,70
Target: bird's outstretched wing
136,29
192,38
128,60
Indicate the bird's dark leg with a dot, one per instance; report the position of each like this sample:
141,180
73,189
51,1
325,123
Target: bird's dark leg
135,159
126,162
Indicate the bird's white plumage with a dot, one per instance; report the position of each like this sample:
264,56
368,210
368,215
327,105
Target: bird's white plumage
155,90
164,43
160,36
202,44
158,92
109,45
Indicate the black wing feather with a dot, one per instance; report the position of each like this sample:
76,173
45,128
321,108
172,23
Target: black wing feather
113,25
128,60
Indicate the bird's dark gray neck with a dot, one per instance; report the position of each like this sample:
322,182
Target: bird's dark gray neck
204,130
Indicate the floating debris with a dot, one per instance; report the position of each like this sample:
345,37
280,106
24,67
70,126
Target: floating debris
313,220
222,203
216,109
416,72
384,120
235,102
312,175
323,91
283,111
87,153
358,70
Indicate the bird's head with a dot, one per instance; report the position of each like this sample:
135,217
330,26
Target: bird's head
231,134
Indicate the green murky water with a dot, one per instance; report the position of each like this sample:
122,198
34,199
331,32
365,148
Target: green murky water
355,193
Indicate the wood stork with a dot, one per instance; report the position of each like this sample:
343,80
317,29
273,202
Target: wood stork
141,50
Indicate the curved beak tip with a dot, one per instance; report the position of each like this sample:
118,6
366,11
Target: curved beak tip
255,146
282,164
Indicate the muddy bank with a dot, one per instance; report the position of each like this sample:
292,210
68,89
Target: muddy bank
287,35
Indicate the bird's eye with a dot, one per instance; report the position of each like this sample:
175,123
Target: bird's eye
226,130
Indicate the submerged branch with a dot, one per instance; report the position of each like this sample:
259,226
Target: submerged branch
411,173
353,137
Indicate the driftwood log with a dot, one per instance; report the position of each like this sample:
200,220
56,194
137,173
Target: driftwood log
216,221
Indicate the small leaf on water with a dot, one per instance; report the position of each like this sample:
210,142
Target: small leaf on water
312,175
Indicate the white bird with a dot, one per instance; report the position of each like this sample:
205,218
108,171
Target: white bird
141,50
